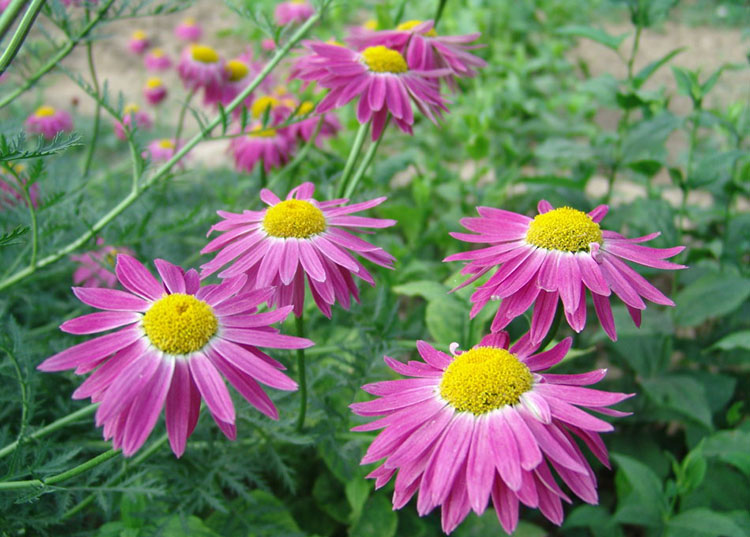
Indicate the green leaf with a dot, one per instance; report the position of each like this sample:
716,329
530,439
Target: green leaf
711,296
264,513
643,501
681,394
193,526
687,83
648,167
702,522
737,340
12,236
378,519
15,148
357,492
645,73
692,471
645,141
445,318
427,289
595,34
732,447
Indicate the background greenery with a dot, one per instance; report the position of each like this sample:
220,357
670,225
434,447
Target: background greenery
528,127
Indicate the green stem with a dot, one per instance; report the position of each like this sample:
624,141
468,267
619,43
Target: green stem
399,13
20,35
22,388
57,58
352,158
552,329
167,166
439,12
262,174
57,478
98,111
299,158
23,188
9,16
366,161
181,121
302,375
52,427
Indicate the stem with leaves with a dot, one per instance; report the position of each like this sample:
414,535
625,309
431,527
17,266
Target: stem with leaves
98,111
366,161
181,121
351,160
20,34
300,323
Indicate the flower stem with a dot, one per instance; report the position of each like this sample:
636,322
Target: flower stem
352,159
81,468
302,375
16,41
98,111
54,426
552,329
10,15
439,12
181,121
366,161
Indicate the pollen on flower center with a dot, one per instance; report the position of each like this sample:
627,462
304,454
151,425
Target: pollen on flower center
153,82
131,109
179,324
294,218
382,59
261,104
305,108
140,35
204,54
44,111
408,25
565,229
260,131
483,379
237,70
157,53
166,143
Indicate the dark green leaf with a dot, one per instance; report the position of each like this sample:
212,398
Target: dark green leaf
645,73
378,518
595,34
711,296
703,522
681,394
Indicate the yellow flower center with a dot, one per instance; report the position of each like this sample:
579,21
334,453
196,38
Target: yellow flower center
483,379
44,111
260,131
305,108
153,83
371,24
408,25
261,104
166,143
179,324
382,59
139,35
111,257
190,21
131,109
280,90
294,218
237,70
204,54
332,41
564,229
157,53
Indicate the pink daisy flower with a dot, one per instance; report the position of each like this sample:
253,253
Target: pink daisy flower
10,193
269,146
4,5
162,150
297,238
174,343
97,267
154,91
189,30
306,128
424,49
133,118
77,3
293,11
48,122
558,255
485,424
238,75
200,67
268,44
382,79
139,42
157,60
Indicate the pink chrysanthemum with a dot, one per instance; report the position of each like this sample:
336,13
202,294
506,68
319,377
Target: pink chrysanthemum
200,67
424,49
382,79
77,3
162,150
269,146
48,121
268,44
486,423
297,238
97,267
306,128
189,30
157,60
133,118
293,11
174,343
138,42
10,193
154,91
558,255
238,75
4,5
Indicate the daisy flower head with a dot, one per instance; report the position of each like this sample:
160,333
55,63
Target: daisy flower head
383,80
201,66
268,44
189,30
139,42
48,121
267,145
424,49
173,340
162,150
238,75
133,118
154,91
293,11
96,268
558,255
157,60
487,423
4,5
10,190
305,129
298,238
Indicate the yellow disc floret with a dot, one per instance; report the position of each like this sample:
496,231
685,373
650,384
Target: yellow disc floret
382,59
179,324
294,218
370,24
139,35
237,70
263,133
261,104
204,54
154,82
484,379
166,143
564,229
408,25
44,111
305,108
157,53
131,109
